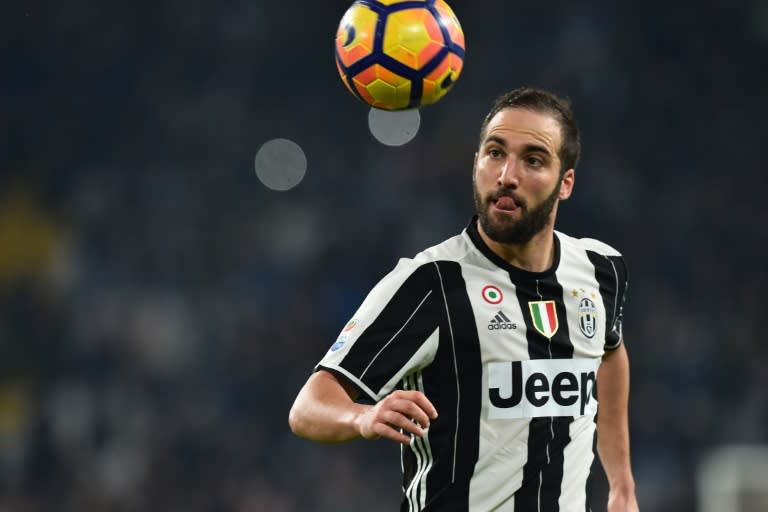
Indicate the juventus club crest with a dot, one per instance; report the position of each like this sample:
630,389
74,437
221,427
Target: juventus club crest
587,317
544,317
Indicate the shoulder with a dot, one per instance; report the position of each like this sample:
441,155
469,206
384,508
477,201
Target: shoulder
604,258
588,244
423,266
452,249
455,248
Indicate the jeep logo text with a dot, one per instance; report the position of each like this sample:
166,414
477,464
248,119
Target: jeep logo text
541,388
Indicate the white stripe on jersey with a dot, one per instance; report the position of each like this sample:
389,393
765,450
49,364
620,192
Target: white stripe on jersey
573,278
428,448
577,456
410,493
502,447
416,493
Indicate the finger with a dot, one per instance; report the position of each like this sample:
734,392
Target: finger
423,402
397,420
387,432
419,399
412,411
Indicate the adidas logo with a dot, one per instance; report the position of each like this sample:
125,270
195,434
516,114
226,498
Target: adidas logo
501,321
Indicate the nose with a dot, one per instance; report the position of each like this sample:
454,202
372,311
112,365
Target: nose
508,174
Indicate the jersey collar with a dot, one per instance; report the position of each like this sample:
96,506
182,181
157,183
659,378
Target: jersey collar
514,272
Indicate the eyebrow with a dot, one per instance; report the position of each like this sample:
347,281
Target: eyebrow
528,148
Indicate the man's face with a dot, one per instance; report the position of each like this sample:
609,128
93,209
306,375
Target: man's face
517,182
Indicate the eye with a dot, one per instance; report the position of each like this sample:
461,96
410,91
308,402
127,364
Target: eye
534,161
495,153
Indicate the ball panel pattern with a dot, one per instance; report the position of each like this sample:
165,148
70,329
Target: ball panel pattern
413,37
356,33
382,88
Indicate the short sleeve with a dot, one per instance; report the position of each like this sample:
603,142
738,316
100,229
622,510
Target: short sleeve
614,335
393,332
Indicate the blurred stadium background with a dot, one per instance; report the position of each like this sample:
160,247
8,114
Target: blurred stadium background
160,307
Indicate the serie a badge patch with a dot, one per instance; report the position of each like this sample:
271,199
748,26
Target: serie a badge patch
544,317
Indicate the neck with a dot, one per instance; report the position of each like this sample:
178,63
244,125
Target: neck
536,255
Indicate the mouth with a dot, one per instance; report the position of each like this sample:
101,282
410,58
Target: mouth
505,204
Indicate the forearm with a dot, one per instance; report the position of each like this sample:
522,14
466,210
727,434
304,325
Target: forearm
612,422
324,411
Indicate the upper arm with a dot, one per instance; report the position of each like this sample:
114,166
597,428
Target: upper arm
329,381
324,409
618,352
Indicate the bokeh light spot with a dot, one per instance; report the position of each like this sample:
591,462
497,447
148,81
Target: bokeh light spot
280,164
394,128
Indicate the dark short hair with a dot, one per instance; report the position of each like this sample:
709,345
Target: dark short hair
544,102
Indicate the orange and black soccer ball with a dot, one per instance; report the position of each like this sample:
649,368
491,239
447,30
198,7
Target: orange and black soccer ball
399,54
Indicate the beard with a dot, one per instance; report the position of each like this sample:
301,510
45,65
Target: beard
509,231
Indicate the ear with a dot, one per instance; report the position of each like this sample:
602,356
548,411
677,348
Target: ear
566,184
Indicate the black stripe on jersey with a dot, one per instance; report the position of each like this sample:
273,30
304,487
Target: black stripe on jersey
409,318
547,437
453,383
611,275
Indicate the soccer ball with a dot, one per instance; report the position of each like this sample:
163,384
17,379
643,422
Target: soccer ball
399,54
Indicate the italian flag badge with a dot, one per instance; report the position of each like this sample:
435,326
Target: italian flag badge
544,317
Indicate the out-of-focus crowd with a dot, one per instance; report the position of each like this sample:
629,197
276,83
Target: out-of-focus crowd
160,308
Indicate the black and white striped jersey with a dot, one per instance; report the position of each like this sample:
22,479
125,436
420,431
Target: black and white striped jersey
508,357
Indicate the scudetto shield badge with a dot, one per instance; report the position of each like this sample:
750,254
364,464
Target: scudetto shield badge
544,316
587,317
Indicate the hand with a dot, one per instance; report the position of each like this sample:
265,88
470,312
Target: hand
622,501
407,410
